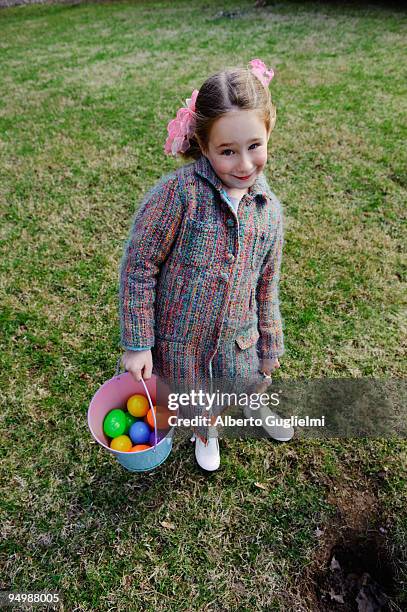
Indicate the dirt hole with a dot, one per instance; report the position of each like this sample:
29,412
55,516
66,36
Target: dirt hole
358,576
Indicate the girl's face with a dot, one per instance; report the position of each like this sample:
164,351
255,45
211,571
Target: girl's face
237,148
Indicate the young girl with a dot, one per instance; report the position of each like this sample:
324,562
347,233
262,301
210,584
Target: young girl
200,272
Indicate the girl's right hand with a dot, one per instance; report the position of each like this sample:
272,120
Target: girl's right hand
138,363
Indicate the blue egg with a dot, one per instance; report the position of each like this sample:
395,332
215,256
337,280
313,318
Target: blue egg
139,433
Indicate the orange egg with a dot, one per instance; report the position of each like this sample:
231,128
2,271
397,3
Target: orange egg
121,443
138,405
161,414
140,447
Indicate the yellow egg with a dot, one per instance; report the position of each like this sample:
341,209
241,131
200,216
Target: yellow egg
138,405
121,443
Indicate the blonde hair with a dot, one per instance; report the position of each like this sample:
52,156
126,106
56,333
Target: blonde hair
229,89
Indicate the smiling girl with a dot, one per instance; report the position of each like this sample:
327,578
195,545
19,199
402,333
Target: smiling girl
200,272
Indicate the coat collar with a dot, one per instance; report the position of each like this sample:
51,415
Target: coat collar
204,168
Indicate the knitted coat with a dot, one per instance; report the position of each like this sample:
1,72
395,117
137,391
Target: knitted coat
198,281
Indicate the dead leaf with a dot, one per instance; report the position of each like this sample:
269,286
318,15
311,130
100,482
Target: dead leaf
334,564
259,485
336,597
167,525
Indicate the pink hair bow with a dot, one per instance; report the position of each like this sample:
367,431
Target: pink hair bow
261,71
182,127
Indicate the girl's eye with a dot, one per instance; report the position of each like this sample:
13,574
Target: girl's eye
225,151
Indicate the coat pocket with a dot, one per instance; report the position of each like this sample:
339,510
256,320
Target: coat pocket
252,299
246,339
198,243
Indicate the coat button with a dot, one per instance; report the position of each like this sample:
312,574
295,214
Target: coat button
230,258
230,222
224,276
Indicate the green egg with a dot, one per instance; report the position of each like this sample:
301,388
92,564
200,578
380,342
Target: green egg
130,419
115,423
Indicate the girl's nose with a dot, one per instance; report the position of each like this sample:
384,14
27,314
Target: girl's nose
245,166
244,170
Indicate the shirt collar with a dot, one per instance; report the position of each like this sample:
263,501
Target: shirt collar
204,168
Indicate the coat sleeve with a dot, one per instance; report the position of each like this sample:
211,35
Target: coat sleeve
154,229
271,342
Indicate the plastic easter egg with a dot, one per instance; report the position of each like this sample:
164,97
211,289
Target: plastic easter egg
121,443
114,423
129,421
138,405
162,416
139,433
160,436
140,447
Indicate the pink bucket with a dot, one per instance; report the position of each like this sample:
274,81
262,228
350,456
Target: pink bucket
114,393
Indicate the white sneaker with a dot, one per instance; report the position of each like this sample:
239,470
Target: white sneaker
207,455
277,432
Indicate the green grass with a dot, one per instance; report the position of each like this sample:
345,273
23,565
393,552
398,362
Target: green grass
86,94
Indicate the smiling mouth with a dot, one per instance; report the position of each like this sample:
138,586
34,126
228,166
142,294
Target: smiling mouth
243,178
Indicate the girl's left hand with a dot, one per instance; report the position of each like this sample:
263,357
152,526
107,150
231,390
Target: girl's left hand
267,366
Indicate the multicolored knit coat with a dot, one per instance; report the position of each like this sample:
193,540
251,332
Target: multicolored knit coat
198,281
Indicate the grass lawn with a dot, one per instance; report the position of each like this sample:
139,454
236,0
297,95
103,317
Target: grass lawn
86,92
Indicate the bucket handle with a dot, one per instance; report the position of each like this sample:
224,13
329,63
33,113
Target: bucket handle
118,369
